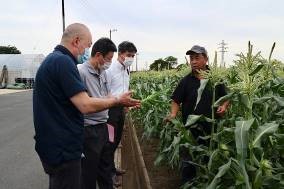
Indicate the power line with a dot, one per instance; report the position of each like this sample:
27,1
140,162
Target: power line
47,21
104,19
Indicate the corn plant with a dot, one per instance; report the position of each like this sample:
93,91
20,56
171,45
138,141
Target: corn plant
247,148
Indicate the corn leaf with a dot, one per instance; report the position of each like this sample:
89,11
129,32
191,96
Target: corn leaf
203,83
222,171
192,119
256,70
242,138
223,99
267,128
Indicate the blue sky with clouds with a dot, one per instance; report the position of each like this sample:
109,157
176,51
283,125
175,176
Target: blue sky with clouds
159,28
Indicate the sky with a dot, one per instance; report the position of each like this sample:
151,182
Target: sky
158,28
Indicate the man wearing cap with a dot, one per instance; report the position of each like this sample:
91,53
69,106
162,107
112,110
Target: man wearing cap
186,94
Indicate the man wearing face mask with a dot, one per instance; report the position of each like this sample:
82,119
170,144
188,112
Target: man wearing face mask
59,102
118,77
96,165
85,57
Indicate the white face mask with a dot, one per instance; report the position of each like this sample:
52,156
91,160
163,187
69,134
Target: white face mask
128,61
106,66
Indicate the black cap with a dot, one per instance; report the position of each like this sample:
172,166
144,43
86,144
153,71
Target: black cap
197,49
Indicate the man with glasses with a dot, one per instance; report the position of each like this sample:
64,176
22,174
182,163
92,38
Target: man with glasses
59,102
97,161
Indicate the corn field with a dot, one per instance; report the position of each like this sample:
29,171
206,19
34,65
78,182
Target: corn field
246,145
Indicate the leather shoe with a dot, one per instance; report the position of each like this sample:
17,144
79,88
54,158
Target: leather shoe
120,171
116,181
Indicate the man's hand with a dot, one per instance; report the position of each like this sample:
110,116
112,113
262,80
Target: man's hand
223,108
169,117
126,100
127,109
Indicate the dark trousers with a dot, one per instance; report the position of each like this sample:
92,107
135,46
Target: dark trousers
188,171
96,165
64,176
116,119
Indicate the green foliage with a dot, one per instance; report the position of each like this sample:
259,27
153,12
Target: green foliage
182,66
9,50
164,64
246,146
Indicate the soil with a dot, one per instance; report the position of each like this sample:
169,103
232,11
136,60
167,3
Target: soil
161,177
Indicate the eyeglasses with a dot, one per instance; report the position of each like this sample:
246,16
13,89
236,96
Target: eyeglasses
106,59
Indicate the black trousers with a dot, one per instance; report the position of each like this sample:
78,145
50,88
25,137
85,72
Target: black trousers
64,176
188,171
116,119
96,165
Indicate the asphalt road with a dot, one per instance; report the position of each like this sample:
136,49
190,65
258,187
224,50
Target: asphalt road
20,167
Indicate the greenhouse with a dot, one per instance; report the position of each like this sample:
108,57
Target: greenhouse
21,68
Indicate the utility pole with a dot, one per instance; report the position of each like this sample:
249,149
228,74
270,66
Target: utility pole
146,65
63,15
132,67
137,61
223,47
111,30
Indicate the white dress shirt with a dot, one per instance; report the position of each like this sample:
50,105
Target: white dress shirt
118,78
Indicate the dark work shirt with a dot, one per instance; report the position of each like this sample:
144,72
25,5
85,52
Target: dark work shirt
186,94
58,123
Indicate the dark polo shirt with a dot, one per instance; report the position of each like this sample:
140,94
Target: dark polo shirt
186,95
58,123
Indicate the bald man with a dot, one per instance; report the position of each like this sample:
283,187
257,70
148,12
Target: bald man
59,102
